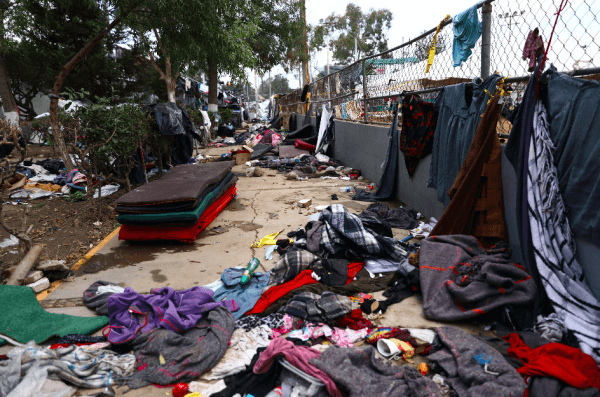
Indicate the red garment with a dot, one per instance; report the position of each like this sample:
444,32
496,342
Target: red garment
355,321
303,278
186,234
299,144
555,360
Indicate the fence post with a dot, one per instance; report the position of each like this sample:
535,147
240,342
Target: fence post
486,39
364,76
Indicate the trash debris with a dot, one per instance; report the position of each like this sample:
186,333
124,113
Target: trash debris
40,285
9,242
305,203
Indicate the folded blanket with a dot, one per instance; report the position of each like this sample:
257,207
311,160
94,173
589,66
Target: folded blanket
184,183
186,234
187,218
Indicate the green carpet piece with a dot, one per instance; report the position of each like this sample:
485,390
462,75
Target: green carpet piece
23,319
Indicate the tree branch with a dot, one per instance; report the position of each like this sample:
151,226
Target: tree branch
160,44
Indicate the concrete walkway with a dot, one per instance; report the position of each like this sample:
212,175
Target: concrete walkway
263,206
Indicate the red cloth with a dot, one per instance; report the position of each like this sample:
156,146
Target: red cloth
304,145
355,321
303,278
555,360
186,234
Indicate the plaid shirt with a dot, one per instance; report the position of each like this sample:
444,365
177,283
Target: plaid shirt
344,230
291,264
318,308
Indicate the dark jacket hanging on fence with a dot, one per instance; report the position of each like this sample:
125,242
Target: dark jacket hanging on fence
477,206
459,116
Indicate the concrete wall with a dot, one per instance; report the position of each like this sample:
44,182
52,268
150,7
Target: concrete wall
365,146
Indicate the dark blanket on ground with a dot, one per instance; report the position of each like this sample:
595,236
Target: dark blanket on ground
363,283
306,131
186,356
359,372
184,183
95,301
460,279
189,217
477,206
261,150
460,360
23,319
401,218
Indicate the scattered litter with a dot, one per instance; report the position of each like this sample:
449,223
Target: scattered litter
31,194
305,203
107,190
269,253
40,285
9,242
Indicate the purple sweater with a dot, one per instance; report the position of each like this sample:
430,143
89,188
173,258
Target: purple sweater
131,314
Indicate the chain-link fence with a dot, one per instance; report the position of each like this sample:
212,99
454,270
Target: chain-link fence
367,90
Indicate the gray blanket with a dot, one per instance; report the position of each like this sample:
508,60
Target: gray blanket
359,372
462,359
186,356
460,279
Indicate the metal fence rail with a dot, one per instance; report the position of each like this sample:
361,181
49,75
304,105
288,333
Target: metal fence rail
366,90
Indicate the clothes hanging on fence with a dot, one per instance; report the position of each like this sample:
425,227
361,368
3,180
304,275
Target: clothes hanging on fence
467,30
477,206
419,119
459,116
554,245
534,48
387,183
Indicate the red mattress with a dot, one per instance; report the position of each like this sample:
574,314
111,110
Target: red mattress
186,234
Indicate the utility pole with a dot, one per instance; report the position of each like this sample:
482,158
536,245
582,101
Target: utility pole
269,85
305,37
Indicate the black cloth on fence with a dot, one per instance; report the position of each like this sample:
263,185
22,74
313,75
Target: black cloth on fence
307,115
247,382
419,119
387,183
400,218
304,132
292,122
517,152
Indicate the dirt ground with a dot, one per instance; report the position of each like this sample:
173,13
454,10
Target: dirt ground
67,229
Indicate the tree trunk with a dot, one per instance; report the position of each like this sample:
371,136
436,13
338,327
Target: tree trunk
213,104
57,136
170,89
11,112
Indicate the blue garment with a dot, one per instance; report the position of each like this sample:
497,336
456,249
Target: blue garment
245,296
467,30
455,130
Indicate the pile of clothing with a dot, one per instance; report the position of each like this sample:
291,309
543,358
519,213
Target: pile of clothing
179,205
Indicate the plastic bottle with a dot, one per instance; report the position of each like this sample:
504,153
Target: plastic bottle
250,269
346,189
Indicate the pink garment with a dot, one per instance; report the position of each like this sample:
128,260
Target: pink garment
285,328
298,356
275,139
347,337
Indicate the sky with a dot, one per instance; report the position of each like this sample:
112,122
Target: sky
410,20
574,39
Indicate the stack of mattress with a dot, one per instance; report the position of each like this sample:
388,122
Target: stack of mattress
179,205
